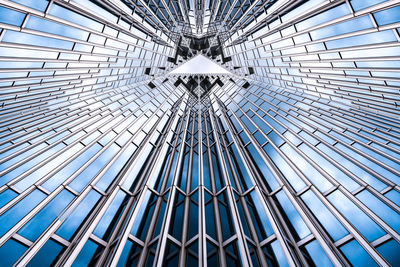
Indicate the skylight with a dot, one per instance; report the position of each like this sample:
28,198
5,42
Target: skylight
200,65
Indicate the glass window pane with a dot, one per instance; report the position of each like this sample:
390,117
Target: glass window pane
10,252
359,219
357,255
46,255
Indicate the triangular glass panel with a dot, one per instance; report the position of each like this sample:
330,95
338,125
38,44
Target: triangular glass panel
200,65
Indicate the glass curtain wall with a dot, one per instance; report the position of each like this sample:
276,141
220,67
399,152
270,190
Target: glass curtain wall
291,159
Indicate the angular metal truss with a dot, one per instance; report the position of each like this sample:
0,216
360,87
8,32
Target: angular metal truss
108,160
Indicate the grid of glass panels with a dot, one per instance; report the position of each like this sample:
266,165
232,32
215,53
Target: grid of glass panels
293,160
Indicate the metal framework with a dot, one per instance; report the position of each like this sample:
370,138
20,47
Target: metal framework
107,159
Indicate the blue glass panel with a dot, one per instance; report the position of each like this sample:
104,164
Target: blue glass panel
390,251
309,171
44,25
69,15
30,39
124,254
361,4
324,216
371,180
341,177
286,170
394,196
9,16
74,220
19,210
10,252
6,197
388,215
195,171
24,167
133,172
379,157
90,171
86,254
275,138
365,39
109,219
35,4
70,168
293,216
16,159
353,25
39,173
357,255
358,218
115,168
317,254
265,171
140,213
279,254
357,171
328,15
46,255
34,228
388,16
261,213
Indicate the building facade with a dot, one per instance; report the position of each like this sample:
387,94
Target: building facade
108,159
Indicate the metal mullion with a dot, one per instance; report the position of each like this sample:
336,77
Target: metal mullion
385,226
318,233
248,218
30,214
380,177
164,231
248,11
26,149
282,239
159,258
214,199
188,197
16,6
203,259
133,216
389,168
339,93
353,231
202,235
24,260
380,135
101,209
108,165
116,186
217,220
69,51
238,224
353,91
27,117
360,47
77,8
350,116
154,15
373,190
76,141
324,5
331,106
32,130
343,96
